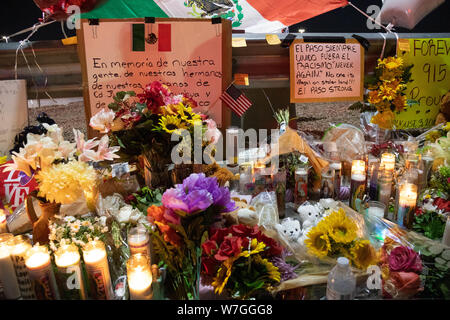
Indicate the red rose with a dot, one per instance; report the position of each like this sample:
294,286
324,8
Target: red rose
274,248
404,259
209,247
230,247
130,199
418,212
241,230
407,284
442,204
218,234
209,265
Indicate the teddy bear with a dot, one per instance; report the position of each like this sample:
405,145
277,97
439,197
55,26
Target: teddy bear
327,206
444,111
308,212
248,216
290,229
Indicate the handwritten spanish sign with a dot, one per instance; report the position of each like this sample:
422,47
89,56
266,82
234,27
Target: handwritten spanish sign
326,71
431,81
13,112
185,55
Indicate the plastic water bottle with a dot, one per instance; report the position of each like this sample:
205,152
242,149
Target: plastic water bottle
341,281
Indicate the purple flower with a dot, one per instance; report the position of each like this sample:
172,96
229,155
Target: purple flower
197,193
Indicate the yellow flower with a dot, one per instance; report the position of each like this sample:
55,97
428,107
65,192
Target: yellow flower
273,272
384,119
3,159
446,127
170,109
364,255
171,124
391,63
399,102
341,228
188,115
255,247
65,182
223,274
318,242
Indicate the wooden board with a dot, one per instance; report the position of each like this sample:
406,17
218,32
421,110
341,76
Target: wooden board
326,72
109,63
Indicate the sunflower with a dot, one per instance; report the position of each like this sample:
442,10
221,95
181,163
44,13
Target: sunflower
170,109
188,115
318,242
223,275
272,271
341,228
171,124
363,254
384,119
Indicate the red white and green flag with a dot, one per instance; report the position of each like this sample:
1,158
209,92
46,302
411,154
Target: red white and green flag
249,15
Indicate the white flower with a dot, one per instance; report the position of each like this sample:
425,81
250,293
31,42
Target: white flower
54,132
103,220
105,230
102,120
124,214
69,219
86,223
429,207
96,238
75,227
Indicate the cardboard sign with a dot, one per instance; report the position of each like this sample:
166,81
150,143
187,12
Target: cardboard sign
13,112
14,188
431,81
326,71
190,56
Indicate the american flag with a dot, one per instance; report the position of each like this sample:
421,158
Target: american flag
236,100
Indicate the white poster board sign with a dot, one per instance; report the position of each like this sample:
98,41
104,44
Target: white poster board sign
13,112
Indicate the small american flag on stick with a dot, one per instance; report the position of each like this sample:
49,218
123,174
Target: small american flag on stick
236,100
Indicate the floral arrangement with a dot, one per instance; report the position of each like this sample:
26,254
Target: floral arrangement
440,179
187,212
78,231
433,135
241,261
431,214
386,91
441,150
142,124
377,149
144,198
60,167
336,235
401,268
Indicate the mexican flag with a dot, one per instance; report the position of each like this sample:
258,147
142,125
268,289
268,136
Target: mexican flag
257,16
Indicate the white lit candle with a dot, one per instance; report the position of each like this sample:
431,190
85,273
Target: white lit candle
19,248
70,280
406,204
3,225
139,277
7,272
358,183
388,160
139,241
38,263
95,259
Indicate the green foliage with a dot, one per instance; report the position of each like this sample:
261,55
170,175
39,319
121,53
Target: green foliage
147,197
430,224
439,179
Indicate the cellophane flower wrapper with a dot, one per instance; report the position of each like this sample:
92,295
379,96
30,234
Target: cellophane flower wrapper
432,266
314,270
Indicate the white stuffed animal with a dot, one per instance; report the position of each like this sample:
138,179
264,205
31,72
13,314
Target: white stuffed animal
327,206
290,229
308,212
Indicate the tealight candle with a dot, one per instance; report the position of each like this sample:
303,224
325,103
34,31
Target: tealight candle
95,259
38,263
139,277
67,259
3,224
388,160
7,272
19,246
406,204
358,183
139,241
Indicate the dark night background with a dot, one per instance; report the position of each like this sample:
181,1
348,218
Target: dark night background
19,14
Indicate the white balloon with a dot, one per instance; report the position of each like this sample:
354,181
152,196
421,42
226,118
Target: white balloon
406,13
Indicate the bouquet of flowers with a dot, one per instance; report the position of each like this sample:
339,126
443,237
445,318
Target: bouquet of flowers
183,220
431,214
337,235
242,261
386,91
142,124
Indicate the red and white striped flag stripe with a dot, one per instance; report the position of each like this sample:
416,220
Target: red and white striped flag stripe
236,100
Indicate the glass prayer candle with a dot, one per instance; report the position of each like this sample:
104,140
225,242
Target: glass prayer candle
358,183
39,266
337,167
388,160
246,178
3,224
327,184
232,141
428,160
139,241
96,261
384,189
19,247
374,169
301,184
279,186
139,277
406,204
8,277
69,275
446,236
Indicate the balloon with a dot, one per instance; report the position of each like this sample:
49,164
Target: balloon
406,13
56,9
